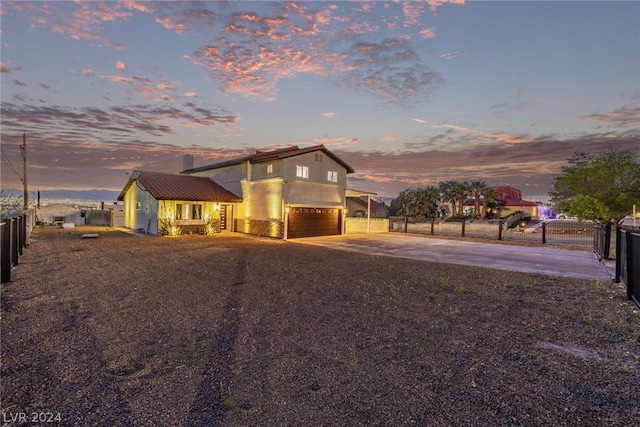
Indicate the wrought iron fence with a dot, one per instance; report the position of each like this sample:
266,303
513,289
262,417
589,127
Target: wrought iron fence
628,261
602,240
554,232
12,239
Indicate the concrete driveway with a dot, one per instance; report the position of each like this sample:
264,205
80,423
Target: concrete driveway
540,260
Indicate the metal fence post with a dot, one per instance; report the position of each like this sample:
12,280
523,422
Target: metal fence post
618,254
463,223
500,228
629,261
607,241
14,241
20,234
433,222
544,233
5,255
406,221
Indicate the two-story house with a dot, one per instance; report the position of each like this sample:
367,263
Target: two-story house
286,193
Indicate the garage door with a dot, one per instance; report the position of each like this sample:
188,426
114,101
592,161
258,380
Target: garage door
308,222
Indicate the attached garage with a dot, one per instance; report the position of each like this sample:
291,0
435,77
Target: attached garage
309,222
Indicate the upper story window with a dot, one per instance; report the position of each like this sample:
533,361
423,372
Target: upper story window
332,176
302,171
270,168
318,157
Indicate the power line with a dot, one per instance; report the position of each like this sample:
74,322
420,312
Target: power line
6,160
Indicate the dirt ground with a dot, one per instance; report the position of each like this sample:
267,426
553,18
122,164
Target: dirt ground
232,330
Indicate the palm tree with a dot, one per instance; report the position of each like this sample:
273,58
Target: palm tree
431,197
424,202
448,193
477,189
462,189
490,201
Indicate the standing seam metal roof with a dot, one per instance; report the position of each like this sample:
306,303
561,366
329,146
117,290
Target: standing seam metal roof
164,186
261,156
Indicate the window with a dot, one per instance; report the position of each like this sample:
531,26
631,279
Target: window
270,168
302,171
332,176
184,211
319,157
196,211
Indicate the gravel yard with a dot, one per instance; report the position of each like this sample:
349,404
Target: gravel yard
232,330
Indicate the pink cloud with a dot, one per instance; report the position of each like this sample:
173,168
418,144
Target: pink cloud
435,4
412,12
137,5
450,55
189,19
622,116
329,115
82,23
6,69
337,143
141,85
428,33
487,136
120,65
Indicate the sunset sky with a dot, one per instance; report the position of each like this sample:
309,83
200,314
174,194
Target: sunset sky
408,93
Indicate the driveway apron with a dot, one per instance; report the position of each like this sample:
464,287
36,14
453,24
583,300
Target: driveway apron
539,260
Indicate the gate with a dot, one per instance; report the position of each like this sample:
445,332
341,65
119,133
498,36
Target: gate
628,262
602,240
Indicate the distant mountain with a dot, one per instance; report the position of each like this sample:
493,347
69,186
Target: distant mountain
88,195
97,195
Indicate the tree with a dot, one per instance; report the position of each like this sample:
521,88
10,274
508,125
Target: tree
424,202
399,204
477,189
598,188
449,194
462,190
490,200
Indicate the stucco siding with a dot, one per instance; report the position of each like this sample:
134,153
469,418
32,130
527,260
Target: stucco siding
262,200
261,170
305,193
229,177
317,169
141,210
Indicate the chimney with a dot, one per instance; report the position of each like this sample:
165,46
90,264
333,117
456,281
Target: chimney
187,162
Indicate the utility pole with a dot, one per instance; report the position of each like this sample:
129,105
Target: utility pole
25,196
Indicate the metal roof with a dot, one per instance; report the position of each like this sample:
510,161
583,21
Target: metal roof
263,156
165,186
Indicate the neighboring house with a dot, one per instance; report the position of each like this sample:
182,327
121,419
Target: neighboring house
511,201
291,192
155,200
359,206
59,214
